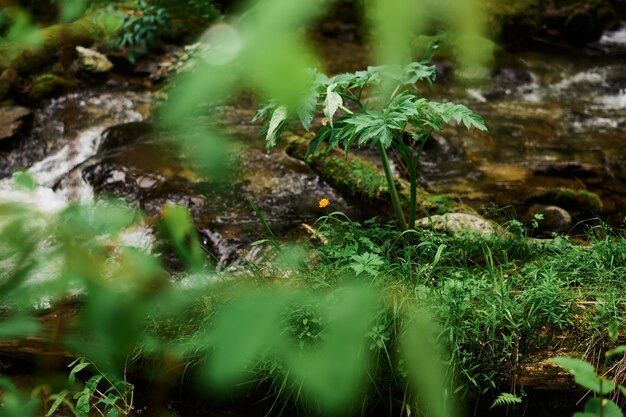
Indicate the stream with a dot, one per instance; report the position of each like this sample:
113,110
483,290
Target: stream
555,122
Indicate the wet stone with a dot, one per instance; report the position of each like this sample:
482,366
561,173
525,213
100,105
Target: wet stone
123,135
13,121
567,169
505,80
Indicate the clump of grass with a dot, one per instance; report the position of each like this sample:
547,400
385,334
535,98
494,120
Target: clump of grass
491,294
494,301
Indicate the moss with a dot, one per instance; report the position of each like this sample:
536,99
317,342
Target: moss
442,203
354,176
59,38
365,182
46,85
577,199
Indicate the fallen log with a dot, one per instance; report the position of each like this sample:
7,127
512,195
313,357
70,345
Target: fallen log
364,182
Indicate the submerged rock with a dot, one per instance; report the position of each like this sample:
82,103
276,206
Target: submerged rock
118,136
457,223
505,80
13,120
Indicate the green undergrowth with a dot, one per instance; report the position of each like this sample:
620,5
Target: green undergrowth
357,318
496,301
490,295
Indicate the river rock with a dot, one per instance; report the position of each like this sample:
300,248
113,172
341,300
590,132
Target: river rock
563,25
13,120
616,166
93,61
567,169
505,80
8,82
124,135
555,219
576,202
457,223
131,163
47,85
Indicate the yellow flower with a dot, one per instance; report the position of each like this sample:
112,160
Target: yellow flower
324,202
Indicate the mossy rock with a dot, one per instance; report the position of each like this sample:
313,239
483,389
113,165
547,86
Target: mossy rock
576,202
574,21
46,85
58,43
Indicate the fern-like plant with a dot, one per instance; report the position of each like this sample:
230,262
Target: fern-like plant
139,28
506,398
379,107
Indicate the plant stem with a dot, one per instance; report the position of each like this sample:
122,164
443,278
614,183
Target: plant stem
395,91
413,163
352,98
395,201
413,191
345,109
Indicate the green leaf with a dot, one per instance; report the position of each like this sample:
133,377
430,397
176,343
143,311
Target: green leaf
24,180
258,317
595,407
110,400
76,369
113,412
278,118
92,383
506,398
306,111
83,406
264,111
585,374
617,351
317,141
367,262
177,225
7,385
331,103
58,399
72,9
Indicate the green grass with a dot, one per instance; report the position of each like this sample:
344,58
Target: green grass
490,294
495,301
339,322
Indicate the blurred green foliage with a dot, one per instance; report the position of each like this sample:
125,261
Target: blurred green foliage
125,294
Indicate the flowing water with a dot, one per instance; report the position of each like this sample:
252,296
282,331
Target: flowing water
97,143
555,122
